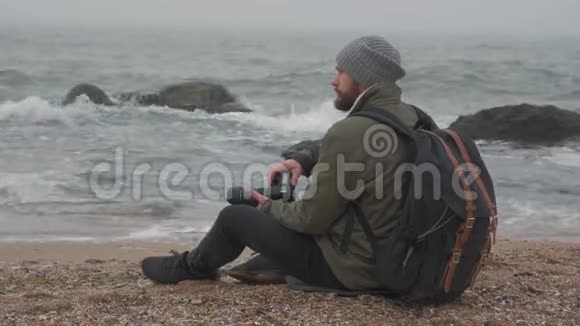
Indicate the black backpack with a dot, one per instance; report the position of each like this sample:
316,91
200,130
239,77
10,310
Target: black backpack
437,252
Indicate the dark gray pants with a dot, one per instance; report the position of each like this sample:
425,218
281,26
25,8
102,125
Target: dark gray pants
241,226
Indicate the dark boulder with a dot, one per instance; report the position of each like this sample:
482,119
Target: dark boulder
94,93
145,99
189,96
524,123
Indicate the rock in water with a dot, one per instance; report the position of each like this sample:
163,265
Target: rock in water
146,99
94,93
525,123
228,107
189,96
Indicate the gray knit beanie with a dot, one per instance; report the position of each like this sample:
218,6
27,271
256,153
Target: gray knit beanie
371,59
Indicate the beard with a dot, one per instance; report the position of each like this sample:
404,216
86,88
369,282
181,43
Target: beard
345,101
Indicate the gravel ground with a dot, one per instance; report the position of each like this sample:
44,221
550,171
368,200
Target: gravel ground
526,283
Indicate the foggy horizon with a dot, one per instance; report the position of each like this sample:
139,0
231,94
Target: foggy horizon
516,17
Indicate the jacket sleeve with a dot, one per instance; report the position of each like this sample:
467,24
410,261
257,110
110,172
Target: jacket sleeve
306,153
324,202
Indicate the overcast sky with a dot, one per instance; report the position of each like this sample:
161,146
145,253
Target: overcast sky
530,17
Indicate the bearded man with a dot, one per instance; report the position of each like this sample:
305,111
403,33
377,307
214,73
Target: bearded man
316,239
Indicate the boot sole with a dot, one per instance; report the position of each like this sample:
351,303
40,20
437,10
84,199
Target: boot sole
262,277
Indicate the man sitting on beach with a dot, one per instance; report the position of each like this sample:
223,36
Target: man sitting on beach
305,239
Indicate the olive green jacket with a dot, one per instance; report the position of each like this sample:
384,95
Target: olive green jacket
346,166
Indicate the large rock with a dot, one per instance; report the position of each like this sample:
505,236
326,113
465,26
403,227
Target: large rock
94,93
146,99
189,96
523,123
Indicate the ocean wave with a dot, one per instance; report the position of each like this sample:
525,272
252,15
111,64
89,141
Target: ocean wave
497,78
515,63
565,156
494,90
271,80
300,74
150,233
493,47
316,119
568,96
259,128
36,238
18,188
162,232
13,77
429,73
537,218
548,73
35,110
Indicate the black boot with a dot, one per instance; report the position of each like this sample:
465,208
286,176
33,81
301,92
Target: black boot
172,269
257,270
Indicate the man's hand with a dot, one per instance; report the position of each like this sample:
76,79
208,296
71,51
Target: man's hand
291,166
258,197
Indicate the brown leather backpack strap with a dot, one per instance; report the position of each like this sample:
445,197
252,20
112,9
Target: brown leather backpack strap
465,228
491,206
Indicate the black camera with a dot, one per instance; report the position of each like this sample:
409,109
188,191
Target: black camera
279,189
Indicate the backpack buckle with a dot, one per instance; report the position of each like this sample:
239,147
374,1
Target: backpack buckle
469,223
456,256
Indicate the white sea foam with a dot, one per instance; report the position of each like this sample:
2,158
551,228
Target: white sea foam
317,118
535,217
43,239
35,110
565,156
19,188
161,231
